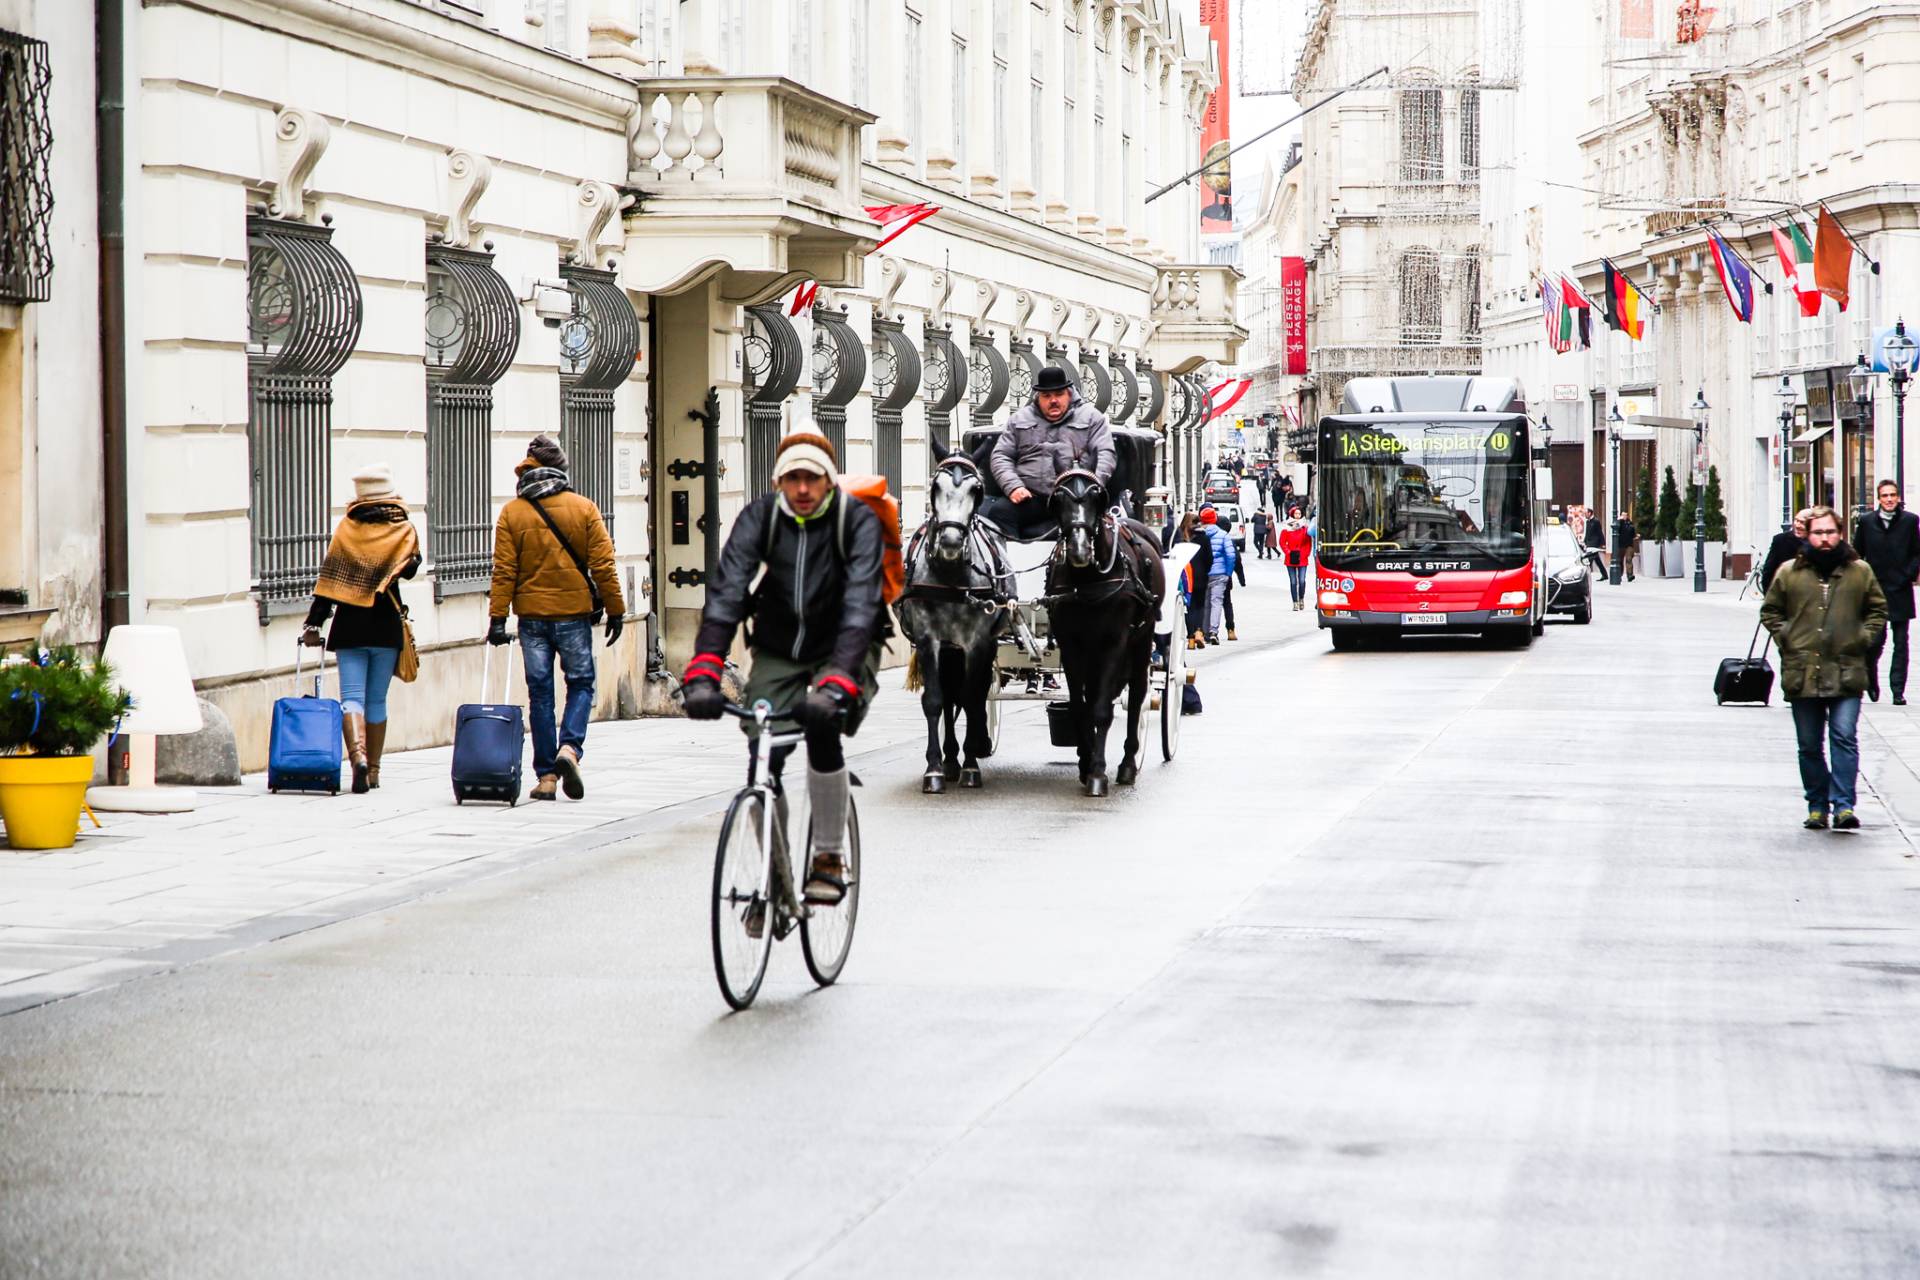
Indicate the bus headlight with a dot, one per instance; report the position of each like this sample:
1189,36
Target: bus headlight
1514,597
1332,599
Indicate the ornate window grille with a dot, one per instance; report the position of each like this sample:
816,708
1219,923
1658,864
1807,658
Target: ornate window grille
1058,358
1096,384
1021,369
988,379
839,367
896,377
773,360
473,331
303,321
598,343
1153,394
946,371
1126,392
1421,146
26,182
1419,280
1470,300
1470,134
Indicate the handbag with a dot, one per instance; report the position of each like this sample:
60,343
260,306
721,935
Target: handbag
579,562
406,668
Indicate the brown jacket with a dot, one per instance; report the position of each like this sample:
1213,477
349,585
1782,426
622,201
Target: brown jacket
533,572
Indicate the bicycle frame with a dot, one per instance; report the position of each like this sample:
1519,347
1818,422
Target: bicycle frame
773,811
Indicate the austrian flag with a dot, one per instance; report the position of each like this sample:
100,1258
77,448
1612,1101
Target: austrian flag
1734,278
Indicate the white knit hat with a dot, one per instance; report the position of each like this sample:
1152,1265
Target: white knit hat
803,452
373,482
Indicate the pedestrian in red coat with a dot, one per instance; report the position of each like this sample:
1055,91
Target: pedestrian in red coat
1296,548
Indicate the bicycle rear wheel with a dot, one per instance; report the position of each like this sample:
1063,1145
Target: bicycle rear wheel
826,933
742,888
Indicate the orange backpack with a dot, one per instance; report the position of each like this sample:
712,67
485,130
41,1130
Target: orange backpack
872,490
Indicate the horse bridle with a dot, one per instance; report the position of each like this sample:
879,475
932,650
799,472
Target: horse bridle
957,462
1111,521
988,599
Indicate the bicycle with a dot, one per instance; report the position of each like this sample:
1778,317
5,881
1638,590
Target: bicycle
754,903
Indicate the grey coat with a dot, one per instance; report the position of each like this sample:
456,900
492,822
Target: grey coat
1033,453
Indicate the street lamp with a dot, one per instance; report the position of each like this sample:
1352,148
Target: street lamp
1787,397
1700,490
1860,380
1619,503
1899,351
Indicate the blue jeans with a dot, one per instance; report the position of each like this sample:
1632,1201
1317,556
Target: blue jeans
1816,721
1297,581
364,677
572,639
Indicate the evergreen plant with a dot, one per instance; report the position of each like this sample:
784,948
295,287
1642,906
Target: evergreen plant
1716,508
1666,521
1643,504
57,703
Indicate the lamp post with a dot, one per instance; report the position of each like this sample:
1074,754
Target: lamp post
1900,350
1787,397
1700,490
1860,380
1619,499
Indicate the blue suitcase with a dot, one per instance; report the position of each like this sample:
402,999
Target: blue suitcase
304,751
489,739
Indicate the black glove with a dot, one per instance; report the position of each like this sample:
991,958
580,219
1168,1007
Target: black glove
615,625
702,699
824,708
497,631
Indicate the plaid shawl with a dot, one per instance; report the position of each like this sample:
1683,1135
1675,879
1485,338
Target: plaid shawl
370,547
540,482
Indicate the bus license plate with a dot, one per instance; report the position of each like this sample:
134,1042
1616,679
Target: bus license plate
1423,619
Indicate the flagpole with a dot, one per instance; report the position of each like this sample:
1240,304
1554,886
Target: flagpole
1822,206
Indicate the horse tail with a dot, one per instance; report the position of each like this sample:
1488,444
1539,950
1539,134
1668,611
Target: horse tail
914,682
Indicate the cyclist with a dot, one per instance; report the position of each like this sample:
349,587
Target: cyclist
817,628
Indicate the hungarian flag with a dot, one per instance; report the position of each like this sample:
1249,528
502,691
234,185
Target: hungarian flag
1553,310
1626,305
1832,258
1734,278
1580,311
1796,263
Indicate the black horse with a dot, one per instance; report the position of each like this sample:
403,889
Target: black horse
953,612
1103,593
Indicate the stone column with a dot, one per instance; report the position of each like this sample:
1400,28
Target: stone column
1113,197
1023,53
936,95
886,73
1086,190
1053,185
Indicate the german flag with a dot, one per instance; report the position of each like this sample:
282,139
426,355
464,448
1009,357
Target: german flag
1626,305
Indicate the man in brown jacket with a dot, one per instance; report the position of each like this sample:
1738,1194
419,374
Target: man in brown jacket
553,563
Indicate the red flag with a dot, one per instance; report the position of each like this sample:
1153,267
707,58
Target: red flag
1233,388
907,215
1832,258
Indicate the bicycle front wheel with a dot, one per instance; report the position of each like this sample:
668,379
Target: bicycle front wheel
826,933
742,900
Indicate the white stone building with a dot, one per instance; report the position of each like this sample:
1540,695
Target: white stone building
419,231
1782,106
1275,232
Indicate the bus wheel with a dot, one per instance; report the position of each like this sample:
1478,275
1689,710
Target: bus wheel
1347,639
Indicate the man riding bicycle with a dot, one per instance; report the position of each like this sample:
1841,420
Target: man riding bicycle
1059,432
817,628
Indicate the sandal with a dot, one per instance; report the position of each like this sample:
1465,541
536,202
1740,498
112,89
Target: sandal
826,881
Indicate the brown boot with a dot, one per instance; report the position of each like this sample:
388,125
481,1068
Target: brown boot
376,743
353,728
548,788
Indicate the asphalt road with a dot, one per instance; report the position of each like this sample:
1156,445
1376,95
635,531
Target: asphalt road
1434,962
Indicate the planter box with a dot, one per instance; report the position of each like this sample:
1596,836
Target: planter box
1672,560
40,798
1647,560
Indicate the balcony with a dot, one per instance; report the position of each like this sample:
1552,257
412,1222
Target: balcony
754,174
1194,318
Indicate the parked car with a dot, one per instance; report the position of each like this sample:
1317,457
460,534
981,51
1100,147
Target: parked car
1233,523
1221,485
1569,574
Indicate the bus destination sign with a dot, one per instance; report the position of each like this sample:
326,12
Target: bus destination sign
1382,444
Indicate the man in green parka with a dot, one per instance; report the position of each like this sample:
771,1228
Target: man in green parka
1826,611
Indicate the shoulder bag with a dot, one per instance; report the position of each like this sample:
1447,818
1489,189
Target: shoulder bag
579,562
406,668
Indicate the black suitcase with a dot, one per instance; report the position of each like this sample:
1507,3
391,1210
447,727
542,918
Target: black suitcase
489,739
1747,679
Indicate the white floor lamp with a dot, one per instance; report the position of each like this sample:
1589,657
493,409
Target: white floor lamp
151,664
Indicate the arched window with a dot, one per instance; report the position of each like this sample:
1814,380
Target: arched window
1419,277
1421,139
1470,300
1470,133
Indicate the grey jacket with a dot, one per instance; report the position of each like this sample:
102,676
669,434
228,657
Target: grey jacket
1032,453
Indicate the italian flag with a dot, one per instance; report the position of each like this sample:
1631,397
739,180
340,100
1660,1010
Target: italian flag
1796,264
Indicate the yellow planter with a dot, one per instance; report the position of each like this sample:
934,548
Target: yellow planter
40,799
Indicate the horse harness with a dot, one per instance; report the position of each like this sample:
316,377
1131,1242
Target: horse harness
986,599
1105,586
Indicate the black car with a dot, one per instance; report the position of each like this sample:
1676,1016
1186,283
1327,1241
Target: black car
1569,573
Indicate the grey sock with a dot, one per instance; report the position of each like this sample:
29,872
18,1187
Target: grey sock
828,793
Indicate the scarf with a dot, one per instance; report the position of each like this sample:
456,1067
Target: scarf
370,548
1826,561
541,482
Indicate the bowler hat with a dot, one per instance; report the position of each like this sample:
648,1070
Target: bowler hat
1051,378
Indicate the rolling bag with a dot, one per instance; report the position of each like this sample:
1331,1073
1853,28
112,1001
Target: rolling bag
489,739
304,749
1747,679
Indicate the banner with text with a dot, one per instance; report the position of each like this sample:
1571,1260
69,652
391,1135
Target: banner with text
1216,137
1293,312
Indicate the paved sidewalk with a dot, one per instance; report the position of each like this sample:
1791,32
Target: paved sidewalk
150,893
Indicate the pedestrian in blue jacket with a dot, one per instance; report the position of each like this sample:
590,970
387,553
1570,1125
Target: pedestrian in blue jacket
1220,572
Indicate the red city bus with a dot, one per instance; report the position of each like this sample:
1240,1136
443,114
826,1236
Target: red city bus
1428,522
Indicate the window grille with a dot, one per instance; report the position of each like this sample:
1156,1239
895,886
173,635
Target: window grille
303,321
1470,300
1153,394
1419,297
26,182
988,379
1021,370
1420,136
896,381
1470,135
598,343
773,364
1126,391
473,331
946,374
839,367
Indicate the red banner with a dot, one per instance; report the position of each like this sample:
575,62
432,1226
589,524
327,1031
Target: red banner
1216,137
1293,312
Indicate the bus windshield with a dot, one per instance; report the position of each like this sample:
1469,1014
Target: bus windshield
1445,494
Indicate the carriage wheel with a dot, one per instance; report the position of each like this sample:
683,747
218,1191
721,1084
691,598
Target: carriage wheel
1171,696
993,718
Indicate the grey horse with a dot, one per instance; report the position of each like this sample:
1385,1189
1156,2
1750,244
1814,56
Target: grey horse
953,612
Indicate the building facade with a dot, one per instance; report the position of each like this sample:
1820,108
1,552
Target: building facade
417,232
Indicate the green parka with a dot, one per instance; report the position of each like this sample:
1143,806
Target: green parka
1824,628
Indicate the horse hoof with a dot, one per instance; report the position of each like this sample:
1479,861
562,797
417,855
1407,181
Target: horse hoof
1097,785
933,784
953,771
1127,775
970,778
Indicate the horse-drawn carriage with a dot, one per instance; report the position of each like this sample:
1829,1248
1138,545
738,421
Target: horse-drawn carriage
1092,607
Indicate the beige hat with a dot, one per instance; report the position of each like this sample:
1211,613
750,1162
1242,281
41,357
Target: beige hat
373,482
805,451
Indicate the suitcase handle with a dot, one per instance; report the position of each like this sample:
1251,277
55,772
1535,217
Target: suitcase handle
319,672
1758,627
486,667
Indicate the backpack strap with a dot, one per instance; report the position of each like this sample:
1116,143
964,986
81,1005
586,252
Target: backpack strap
579,561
